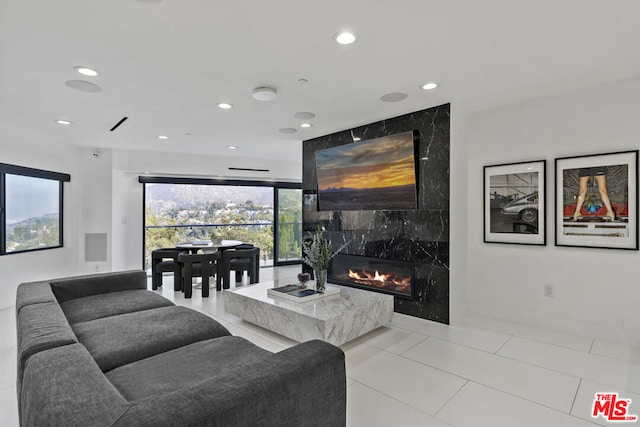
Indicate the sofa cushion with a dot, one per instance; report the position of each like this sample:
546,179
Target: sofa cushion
33,293
41,327
65,387
117,340
111,304
184,366
304,385
81,286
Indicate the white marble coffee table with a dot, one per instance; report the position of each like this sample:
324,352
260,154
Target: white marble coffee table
336,319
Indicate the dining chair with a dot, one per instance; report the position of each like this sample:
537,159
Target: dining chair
198,265
165,260
240,260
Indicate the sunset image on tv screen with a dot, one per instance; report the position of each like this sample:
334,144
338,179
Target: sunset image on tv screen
368,175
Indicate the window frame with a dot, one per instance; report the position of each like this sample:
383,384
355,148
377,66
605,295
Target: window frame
9,169
146,179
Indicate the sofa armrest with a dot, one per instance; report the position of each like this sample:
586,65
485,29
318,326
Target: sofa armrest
81,286
303,385
63,386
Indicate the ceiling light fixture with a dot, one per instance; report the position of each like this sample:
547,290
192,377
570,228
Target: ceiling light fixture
86,71
64,122
225,105
232,147
345,37
287,130
305,125
430,86
393,97
264,94
304,115
83,86
163,137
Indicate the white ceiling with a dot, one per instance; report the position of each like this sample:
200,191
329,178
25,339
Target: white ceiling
166,64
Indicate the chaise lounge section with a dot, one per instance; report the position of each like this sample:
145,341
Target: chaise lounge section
102,350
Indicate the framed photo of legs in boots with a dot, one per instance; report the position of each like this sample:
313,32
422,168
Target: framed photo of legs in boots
597,201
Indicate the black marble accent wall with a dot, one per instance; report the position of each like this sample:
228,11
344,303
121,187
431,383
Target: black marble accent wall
420,236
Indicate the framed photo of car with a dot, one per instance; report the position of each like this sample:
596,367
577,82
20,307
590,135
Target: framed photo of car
514,203
597,201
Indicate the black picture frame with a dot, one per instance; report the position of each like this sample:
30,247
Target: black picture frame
596,200
514,203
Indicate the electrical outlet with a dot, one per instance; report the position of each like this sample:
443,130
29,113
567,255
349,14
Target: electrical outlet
549,291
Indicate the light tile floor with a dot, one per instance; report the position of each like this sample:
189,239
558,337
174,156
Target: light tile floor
413,372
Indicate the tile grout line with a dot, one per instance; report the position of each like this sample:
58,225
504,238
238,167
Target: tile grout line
393,398
575,397
534,402
503,345
451,398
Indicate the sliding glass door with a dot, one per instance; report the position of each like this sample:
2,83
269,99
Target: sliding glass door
265,215
288,225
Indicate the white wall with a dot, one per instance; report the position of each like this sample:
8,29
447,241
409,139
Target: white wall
597,291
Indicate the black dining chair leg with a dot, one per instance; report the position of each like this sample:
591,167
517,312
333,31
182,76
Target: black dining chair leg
205,279
156,277
226,272
219,275
177,276
187,279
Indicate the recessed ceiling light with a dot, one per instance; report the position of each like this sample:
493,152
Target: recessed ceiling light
305,125
163,137
232,147
64,122
429,86
86,71
225,105
345,37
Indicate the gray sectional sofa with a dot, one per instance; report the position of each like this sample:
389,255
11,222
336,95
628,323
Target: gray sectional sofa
102,350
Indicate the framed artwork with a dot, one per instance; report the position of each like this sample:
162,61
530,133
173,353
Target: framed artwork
597,201
310,200
514,203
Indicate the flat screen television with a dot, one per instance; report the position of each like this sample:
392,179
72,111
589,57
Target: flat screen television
375,174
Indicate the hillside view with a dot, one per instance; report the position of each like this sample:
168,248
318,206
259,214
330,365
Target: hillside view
33,233
177,213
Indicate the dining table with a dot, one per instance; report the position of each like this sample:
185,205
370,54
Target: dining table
208,246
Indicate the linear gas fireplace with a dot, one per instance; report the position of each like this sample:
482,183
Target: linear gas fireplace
374,274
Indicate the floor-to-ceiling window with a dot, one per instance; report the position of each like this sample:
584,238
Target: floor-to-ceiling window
267,215
288,225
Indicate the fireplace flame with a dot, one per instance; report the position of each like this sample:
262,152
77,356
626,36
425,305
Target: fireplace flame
377,279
